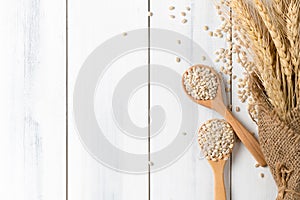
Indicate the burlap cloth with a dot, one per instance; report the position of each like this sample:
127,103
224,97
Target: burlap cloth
280,142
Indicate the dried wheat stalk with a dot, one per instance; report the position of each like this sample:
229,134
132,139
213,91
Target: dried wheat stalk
270,31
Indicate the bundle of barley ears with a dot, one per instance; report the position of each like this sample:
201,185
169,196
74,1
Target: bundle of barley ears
266,42
268,31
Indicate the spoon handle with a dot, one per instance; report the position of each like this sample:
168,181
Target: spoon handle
218,169
247,138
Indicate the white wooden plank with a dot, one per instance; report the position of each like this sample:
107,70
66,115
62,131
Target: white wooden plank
32,144
246,177
92,23
189,177
33,105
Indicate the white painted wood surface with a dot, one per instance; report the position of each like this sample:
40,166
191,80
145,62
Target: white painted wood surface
90,24
191,176
246,178
33,107
32,103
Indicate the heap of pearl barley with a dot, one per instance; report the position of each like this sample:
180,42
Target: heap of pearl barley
201,83
216,139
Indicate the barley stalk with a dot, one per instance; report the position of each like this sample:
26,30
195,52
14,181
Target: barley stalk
262,51
278,12
279,43
298,84
269,31
292,24
280,46
278,7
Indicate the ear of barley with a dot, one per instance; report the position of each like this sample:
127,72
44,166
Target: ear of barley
292,30
262,51
277,12
280,46
278,6
278,41
269,31
298,84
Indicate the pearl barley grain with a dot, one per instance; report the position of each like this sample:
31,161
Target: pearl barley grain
200,83
171,8
216,139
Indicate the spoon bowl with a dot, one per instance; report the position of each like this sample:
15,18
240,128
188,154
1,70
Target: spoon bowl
216,140
216,103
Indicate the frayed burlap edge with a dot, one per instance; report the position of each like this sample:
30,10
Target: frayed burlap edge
280,143
281,147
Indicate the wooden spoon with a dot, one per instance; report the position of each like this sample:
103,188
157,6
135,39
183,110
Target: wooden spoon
218,169
218,105
216,140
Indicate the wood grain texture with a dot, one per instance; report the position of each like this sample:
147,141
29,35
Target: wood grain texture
33,104
90,24
248,140
191,176
219,189
32,144
246,179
